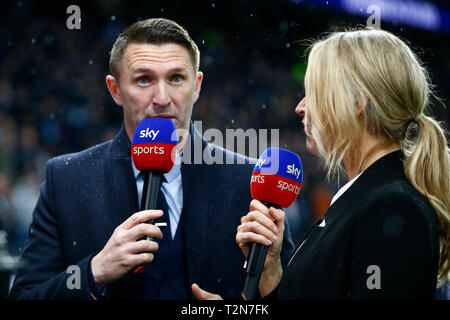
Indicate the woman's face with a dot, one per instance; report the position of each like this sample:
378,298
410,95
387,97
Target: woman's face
301,110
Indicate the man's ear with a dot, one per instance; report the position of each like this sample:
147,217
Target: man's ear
198,85
113,87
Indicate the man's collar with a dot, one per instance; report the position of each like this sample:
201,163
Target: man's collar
171,175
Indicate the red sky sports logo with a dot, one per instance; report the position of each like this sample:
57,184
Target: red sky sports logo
274,188
138,150
281,184
154,156
292,187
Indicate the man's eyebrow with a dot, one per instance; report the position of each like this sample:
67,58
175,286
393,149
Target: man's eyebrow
147,70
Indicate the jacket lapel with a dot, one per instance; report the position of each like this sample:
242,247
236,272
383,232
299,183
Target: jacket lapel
196,207
123,181
384,169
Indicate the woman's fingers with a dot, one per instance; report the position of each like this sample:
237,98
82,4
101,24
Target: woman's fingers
259,206
254,227
243,238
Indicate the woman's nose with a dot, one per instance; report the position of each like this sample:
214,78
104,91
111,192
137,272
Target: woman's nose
301,107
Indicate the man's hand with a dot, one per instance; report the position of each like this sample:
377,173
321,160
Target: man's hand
201,294
122,252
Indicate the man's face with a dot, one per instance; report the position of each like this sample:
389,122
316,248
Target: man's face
156,81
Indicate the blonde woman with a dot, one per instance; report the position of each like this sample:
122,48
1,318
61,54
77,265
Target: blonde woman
386,232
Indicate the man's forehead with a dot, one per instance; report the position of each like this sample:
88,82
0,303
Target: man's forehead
138,55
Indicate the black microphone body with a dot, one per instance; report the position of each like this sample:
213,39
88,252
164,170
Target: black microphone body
152,183
254,264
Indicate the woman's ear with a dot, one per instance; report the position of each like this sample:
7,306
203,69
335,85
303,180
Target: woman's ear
362,104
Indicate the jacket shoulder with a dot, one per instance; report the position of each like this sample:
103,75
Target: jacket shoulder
97,153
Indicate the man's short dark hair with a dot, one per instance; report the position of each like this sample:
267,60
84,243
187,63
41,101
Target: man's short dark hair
155,31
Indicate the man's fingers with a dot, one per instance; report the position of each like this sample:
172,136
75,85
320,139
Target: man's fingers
141,258
201,294
143,246
140,217
145,229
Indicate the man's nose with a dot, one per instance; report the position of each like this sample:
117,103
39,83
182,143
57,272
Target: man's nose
161,95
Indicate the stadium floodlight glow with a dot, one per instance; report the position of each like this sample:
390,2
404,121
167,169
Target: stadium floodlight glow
424,15
420,14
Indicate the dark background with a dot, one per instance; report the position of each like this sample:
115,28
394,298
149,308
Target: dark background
54,100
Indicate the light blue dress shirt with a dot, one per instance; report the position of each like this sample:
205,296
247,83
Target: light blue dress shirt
172,190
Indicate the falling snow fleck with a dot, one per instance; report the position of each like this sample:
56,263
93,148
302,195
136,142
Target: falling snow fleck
113,18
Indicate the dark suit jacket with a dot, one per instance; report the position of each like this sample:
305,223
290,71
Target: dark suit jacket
380,221
86,195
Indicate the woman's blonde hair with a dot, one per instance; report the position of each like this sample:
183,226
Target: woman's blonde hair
376,70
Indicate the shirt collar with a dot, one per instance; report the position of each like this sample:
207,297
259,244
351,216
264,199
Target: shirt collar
343,189
171,175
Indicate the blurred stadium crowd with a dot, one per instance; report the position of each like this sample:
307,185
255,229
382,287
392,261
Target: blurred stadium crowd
53,97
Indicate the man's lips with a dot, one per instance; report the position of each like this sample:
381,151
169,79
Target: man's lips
161,115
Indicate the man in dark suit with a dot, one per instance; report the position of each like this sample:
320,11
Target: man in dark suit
85,238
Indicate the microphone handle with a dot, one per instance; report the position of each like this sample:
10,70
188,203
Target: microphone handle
152,185
254,264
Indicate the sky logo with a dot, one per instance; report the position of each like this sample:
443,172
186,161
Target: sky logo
149,134
291,169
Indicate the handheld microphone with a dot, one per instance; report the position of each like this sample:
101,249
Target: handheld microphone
153,151
276,182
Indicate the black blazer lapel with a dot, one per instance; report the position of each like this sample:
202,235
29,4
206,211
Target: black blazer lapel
122,177
383,170
196,205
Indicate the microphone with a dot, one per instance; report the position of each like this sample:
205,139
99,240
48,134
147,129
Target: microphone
276,182
153,150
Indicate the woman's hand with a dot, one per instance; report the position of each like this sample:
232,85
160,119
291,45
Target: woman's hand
266,226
